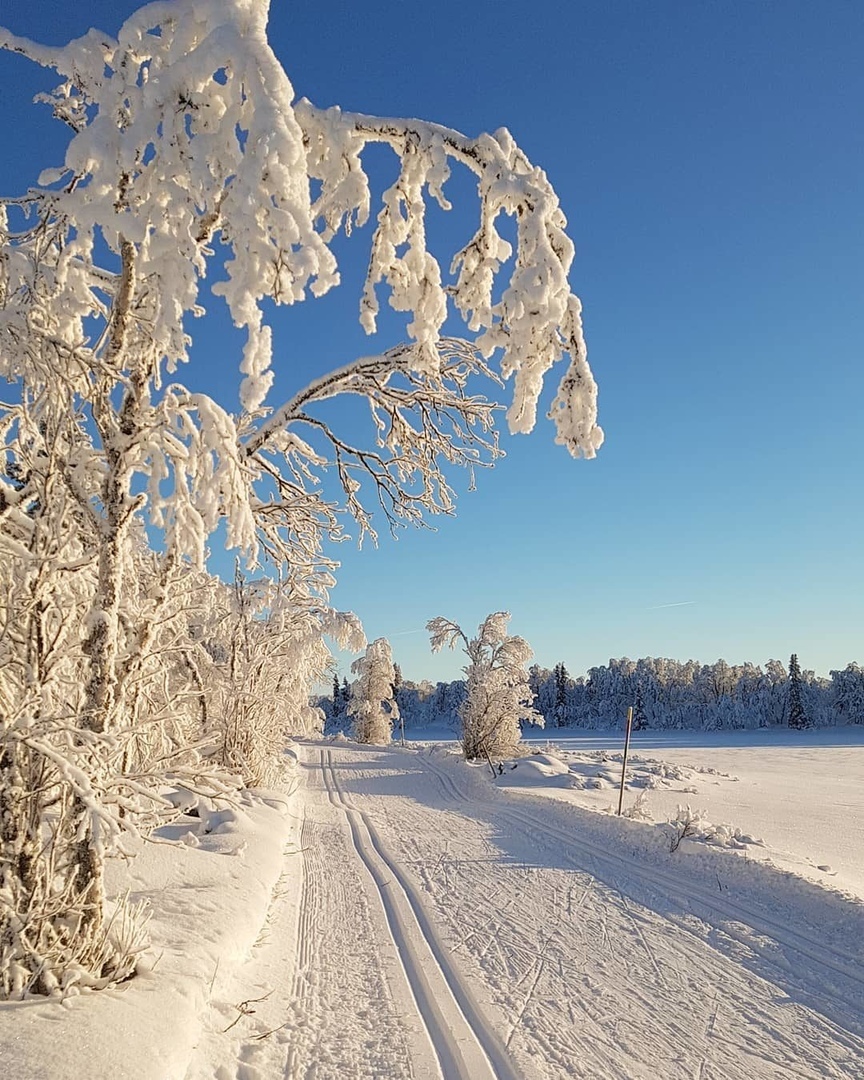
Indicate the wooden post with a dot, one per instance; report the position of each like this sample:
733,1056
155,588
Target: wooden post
624,762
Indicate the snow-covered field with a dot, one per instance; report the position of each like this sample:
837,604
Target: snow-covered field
400,914
799,794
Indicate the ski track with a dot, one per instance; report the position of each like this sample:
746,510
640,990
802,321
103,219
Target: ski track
587,981
465,1046
426,930
333,1009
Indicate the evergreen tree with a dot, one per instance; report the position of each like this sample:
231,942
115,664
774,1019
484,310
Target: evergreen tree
797,716
640,720
562,679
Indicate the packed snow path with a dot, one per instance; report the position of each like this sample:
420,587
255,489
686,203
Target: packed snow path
445,929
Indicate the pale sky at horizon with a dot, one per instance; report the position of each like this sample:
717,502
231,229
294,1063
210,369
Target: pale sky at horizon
709,159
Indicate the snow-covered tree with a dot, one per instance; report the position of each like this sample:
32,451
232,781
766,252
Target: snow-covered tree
798,717
372,703
847,693
498,690
185,132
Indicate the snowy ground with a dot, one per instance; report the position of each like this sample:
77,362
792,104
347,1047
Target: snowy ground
403,916
799,795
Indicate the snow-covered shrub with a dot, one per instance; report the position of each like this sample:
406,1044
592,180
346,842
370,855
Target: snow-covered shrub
498,691
638,810
689,824
686,824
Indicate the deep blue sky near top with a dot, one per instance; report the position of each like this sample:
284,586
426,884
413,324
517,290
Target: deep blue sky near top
709,158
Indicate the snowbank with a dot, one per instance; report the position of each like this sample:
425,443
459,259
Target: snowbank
208,881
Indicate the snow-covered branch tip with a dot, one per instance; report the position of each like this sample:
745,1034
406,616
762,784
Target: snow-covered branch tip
194,90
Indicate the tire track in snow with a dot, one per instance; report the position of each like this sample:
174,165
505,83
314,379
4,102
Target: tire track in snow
465,1044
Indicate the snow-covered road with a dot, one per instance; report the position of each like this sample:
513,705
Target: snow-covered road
441,927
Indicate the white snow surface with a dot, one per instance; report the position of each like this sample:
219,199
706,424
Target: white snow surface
399,913
795,797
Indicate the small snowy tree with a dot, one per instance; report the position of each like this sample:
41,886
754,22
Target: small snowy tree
372,701
498,689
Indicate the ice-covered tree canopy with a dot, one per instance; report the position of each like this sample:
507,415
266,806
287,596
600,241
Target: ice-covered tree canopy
185,135
186,131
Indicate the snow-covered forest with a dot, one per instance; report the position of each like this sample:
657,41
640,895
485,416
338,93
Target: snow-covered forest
664,694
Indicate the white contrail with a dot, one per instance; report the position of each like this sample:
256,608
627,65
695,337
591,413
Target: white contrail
683,603
402,633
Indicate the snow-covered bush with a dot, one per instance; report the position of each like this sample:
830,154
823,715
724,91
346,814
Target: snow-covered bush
690,824
686,824
638,810
263,653
372,703
498,691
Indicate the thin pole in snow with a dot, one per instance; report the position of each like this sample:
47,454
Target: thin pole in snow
624,762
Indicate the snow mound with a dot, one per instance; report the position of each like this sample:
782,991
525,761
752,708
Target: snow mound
534,770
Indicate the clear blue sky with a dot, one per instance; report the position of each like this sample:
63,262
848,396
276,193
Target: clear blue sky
709,158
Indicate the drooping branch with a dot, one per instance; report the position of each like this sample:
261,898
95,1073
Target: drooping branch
421,423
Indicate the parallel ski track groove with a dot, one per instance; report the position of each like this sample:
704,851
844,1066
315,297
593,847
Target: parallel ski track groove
445,1043
816,951
540,831
304,940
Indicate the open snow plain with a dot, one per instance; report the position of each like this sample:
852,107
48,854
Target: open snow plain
796,797
404,915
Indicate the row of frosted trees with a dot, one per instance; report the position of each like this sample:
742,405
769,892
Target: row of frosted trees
672,694
664,693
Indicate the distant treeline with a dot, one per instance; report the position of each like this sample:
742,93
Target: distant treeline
664,694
